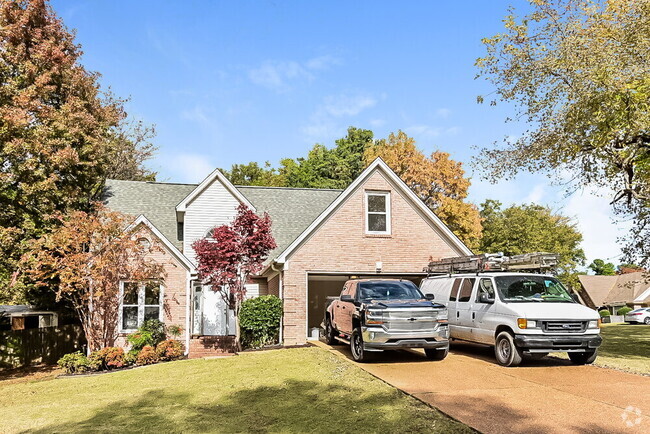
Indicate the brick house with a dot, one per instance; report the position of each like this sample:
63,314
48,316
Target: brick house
376,226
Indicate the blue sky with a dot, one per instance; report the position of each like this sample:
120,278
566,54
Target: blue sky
232,82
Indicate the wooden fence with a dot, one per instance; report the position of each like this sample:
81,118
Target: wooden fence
39,346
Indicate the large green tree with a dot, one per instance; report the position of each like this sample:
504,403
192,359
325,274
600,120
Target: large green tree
602,268
60,135
521,229
578,73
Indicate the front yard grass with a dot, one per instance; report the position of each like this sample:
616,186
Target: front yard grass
291,390
625,347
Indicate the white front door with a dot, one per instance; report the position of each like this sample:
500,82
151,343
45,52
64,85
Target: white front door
211,314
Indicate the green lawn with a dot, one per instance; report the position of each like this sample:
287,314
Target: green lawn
625,347
292,390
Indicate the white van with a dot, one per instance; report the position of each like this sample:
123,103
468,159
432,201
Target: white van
517,313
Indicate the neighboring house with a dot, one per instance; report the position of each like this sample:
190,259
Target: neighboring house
22,316
614,292
376,226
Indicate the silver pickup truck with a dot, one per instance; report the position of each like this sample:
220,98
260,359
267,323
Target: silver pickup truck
386,314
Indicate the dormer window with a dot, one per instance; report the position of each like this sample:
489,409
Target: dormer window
378,212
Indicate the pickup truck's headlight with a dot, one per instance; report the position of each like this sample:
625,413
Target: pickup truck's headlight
374,317
595,324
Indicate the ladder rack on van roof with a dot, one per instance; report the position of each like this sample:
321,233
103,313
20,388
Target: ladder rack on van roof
534,262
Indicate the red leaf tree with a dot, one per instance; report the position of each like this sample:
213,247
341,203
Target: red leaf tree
230,254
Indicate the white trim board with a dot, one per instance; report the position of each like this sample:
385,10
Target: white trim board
215,175
380,165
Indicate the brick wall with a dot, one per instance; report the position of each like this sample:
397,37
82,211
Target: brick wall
340,244
175,284
274,285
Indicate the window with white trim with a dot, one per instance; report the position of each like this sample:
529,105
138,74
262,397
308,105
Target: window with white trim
140,301
377,212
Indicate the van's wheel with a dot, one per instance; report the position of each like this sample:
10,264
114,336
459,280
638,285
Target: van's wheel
330,333
436,354
356,347
647,321
586,358
506,351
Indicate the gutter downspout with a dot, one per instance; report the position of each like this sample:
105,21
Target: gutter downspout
187,312
281,294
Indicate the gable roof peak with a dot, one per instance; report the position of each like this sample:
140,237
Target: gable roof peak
216,175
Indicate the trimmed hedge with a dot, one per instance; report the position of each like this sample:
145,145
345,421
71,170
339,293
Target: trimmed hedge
604,313
259,320
623,310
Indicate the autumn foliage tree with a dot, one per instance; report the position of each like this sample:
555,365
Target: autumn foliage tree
60,135
84,259
438,180
578,73
230,254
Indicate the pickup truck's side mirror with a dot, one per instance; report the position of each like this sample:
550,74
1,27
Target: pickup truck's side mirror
485,298
429,296
347,298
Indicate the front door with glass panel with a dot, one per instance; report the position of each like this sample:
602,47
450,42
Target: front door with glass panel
211,314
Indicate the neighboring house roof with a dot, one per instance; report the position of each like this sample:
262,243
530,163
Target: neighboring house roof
617,290
20,309
597,287
156,200
378,165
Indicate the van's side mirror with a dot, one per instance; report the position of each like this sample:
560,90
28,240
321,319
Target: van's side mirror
485,298
347,298
429,297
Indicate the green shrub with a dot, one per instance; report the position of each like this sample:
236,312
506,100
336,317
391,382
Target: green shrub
157,330
169,350
174,330
139,339
259,320
604,313
623,310
131,357
147,356
76,363
108,358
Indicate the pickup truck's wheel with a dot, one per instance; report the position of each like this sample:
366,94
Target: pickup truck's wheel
586,358
506,351
330,333
356,346
436,354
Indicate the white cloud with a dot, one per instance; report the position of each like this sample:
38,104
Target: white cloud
376,123
278,75
443,113
325,121
597,224
196,114
347,105
536,194
420,132
185,167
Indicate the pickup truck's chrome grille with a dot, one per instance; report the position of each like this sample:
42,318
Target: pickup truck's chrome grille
564,326
410,320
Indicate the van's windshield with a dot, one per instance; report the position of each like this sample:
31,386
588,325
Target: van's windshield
526,288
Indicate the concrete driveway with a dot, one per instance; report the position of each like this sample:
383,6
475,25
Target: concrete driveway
549,395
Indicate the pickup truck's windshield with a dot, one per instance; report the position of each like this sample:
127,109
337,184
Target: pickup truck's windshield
513,289
402,290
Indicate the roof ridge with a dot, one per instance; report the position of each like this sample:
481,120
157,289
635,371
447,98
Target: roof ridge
151,182
288,188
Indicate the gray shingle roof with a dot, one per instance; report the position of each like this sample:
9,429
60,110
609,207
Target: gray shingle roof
291,209
156,200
